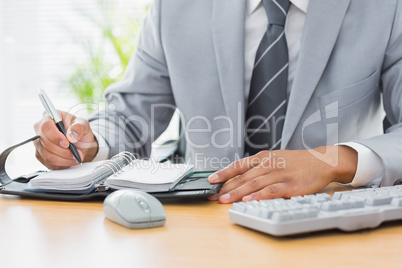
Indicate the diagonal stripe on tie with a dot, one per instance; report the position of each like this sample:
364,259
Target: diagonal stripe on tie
284,68
281,8
254,131
268,49
267,100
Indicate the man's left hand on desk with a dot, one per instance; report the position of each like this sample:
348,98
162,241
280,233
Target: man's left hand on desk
285,173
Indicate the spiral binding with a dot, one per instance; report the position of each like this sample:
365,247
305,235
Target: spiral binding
127,156
111,165
114,166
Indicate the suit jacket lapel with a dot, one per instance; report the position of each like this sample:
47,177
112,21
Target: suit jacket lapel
228,19
323,23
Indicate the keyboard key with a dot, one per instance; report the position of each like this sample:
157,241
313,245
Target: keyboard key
397,202
323,197
252,210
378,200
348,204
357,203
312,212
332,205
239,206
337,196
281,216
297,214
299,199
264,213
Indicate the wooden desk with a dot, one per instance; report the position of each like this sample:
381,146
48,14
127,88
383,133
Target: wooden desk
35,233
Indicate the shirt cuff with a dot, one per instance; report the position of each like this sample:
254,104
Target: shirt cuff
370,169
103,151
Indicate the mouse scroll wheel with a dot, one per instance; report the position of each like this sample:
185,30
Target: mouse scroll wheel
143,205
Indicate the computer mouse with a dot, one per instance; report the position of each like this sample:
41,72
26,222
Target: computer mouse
134,209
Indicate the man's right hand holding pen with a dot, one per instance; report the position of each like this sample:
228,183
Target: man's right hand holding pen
52,149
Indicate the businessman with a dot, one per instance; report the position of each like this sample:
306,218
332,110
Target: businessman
291,93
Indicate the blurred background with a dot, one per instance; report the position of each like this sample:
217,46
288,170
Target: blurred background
73,49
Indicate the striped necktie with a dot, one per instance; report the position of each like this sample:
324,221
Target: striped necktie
268,90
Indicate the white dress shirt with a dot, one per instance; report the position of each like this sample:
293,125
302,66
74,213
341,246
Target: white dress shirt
370,169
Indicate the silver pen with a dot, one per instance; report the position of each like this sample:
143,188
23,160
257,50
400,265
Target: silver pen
57,119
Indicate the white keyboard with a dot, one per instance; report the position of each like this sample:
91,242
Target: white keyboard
348,211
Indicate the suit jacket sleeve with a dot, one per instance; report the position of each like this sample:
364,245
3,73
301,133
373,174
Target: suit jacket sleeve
125,124
389,146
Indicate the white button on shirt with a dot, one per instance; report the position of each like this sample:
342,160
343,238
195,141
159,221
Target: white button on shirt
370,169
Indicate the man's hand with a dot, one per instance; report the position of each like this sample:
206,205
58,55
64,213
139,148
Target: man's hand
285,173
52,147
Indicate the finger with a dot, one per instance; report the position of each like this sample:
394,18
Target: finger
247,177
236,168
63,157
252,186
246,189
214,197
277,190
50,160
48,129
80,133
62,152
68,119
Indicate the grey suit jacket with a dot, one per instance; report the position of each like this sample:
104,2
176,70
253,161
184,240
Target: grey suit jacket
191,56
